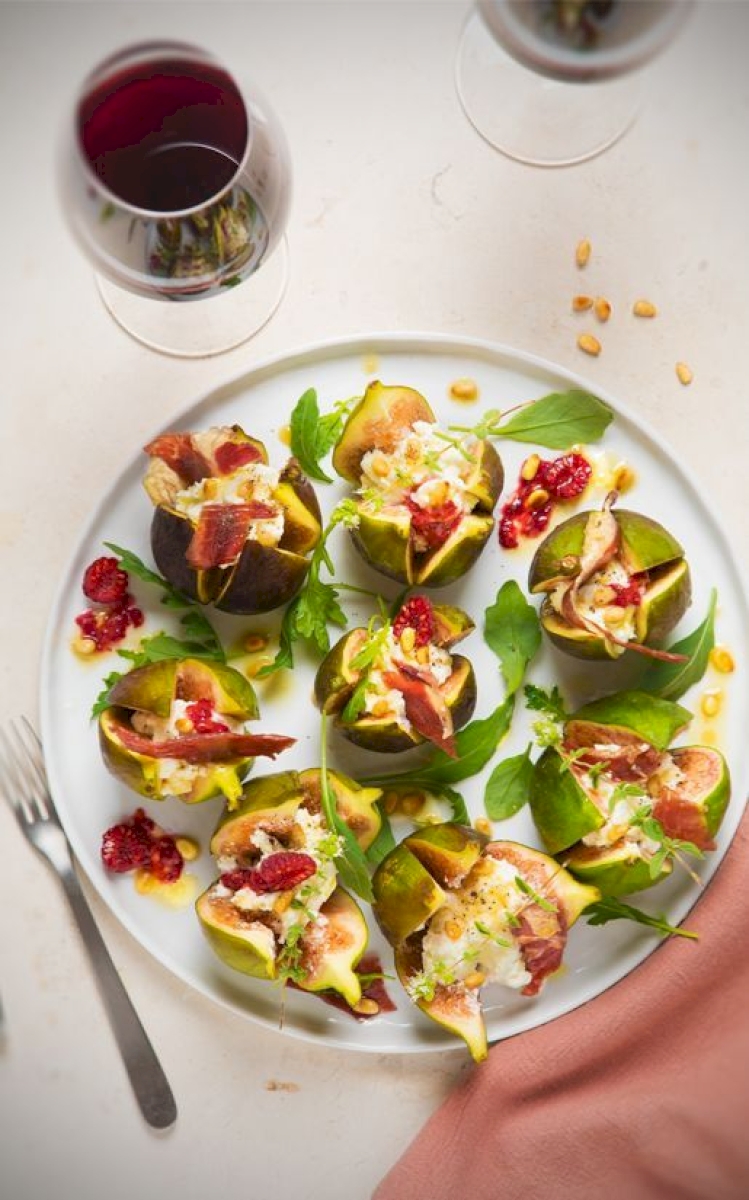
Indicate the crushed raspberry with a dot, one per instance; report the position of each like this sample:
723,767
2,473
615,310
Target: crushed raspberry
281,872
105,582
565,477
201,714
138,842
629,593
237,879
431,527
417,614
166,861
528,515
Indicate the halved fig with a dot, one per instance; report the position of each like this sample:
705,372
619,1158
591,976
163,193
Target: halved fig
227,528
178,728
463,913
608,799
397,686
425,498
276,910
612,580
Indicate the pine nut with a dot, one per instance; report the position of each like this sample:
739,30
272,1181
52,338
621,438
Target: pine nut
475,980
711,702
183,725
623,477
454,930
644,308
581,303
261,660
408,639
411,803
390,802
602,308
83,645
380,708
188,848
530,467
582,252
536,498
379,466
210,489
482,825
254,642
684,373
366,1007
722,659
465,390
589,344
422,655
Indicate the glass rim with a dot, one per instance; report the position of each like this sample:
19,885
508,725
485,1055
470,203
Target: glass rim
142,51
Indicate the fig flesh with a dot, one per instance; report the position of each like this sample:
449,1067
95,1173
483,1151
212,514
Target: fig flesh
462,913
425,499
227,529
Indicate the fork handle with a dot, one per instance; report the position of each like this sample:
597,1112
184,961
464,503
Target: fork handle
146,1075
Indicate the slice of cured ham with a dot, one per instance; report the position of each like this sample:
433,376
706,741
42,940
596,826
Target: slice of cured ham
178,451
221,533
206,747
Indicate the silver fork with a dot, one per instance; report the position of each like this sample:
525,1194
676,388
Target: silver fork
23,782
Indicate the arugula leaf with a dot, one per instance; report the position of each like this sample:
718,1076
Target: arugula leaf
351,864
559,420
508,786
611,909
475,744
556,421
551,702
512,630
671,680
194,621
313,435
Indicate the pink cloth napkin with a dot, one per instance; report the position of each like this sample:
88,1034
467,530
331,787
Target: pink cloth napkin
641,1094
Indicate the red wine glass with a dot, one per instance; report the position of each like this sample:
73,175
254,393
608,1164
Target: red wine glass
176,183
556,82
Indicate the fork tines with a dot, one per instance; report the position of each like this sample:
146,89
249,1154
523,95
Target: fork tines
22,774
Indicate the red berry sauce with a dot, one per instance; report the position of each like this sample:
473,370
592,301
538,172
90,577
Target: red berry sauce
105,584
138,842
417,614
528,511
202,715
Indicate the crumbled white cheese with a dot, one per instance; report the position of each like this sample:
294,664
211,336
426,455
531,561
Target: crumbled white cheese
483,904
418,466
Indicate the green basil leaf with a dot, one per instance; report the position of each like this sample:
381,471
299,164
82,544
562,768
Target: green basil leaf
558,420
508,786
671,680
513,631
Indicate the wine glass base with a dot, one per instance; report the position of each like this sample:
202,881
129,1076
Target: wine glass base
530,118
201,328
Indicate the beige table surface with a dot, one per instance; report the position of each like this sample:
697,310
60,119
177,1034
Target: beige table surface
403,219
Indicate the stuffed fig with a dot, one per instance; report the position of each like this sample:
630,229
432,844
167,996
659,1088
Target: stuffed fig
178,728
616,803
396,684
228,528
612,581
276,910
425,499
463,913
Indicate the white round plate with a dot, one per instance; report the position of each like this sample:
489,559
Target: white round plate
90,799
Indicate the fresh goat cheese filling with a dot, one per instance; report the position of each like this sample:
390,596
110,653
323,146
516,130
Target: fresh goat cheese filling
254,482
426,467
472,932
383,701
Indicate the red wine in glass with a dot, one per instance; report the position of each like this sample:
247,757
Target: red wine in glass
175,180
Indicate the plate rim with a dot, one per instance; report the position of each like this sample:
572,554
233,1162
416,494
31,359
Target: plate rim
374,343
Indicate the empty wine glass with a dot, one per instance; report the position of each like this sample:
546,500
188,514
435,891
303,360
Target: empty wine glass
176,183
555,82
